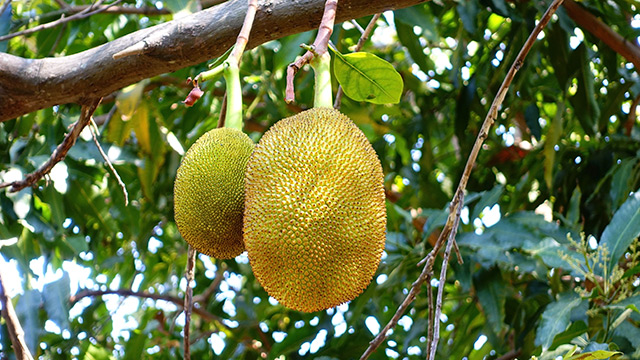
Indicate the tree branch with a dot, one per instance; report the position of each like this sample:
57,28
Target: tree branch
13,325
448,232
63,20
595,26
27,85
188,300
60,152
142,294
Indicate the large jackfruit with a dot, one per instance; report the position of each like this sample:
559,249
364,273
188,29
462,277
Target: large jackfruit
209,192
315,214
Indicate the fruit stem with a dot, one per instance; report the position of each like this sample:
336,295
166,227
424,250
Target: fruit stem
321,64
234,94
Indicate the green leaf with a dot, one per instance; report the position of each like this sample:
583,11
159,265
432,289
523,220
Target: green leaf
412,42
622,181
555,319
584,102
576,329
531,116
488,199
27,311
135,346
492,294
56,300
573,214
289,49
140,122
366,77
468,13
553,137
419,16
622,230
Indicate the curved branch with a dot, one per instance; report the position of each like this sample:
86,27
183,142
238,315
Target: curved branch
27,85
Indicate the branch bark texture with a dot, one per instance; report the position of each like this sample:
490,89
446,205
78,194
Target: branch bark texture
27,85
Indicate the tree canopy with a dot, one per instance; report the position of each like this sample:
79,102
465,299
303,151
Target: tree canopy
94,264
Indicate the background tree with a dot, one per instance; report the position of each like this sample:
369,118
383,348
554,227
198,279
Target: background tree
548,232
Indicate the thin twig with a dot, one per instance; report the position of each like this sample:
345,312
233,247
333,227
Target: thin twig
357,26
188,301
320,46
243,36
60,152
456,204
81,15
443,279
430,311
94,129
16,334
213,287
365,36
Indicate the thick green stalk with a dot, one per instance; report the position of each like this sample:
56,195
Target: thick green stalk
321,64
234,94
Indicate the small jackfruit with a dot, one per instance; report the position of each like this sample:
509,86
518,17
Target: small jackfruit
209,192
315,213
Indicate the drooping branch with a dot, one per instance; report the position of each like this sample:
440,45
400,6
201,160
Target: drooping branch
60,152
145,295
27,85
595,26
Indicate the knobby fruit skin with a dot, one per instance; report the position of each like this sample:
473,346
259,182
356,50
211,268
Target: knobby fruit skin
209,192
315,214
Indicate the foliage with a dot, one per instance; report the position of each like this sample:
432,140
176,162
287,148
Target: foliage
549,234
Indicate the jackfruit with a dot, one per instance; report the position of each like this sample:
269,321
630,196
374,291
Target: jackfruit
315,213
209,192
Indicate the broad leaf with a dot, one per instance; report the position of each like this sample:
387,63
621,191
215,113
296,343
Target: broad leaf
492,294
555,319
622,230
27,311
366,77
56,300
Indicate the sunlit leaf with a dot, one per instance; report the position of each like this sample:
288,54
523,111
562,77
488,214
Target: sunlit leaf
366,77
56,299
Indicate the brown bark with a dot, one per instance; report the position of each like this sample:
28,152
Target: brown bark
27,85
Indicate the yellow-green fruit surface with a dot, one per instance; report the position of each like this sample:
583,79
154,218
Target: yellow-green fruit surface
315,214
209,192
